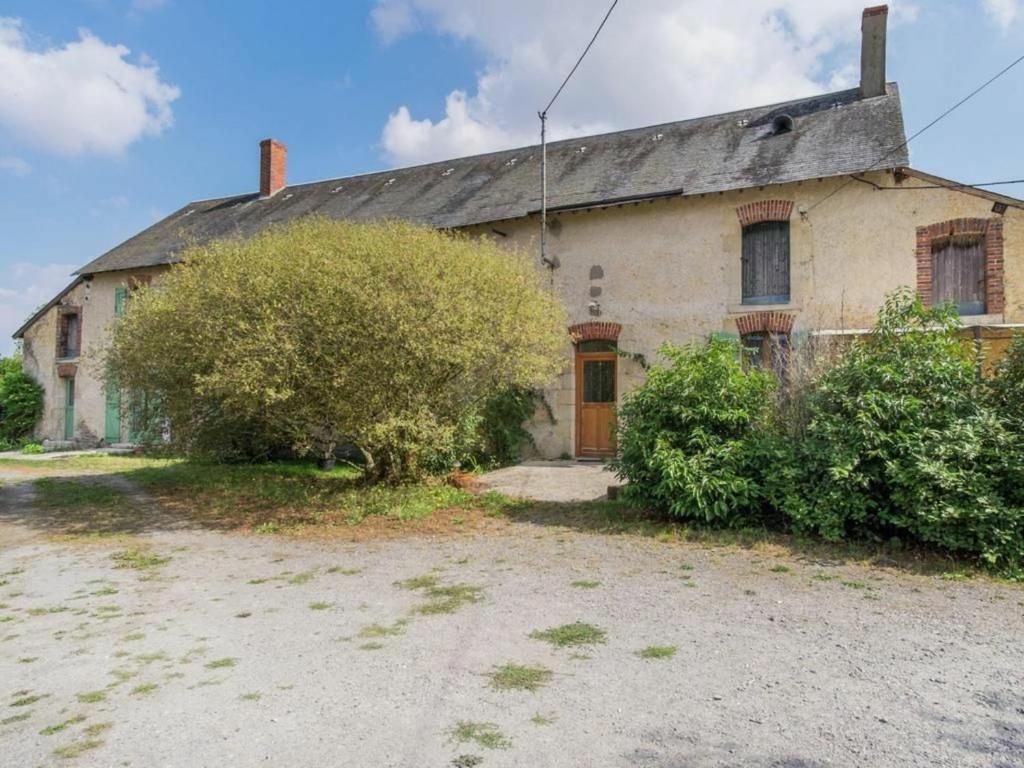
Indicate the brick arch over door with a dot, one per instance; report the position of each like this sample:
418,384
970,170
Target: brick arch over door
990,230
765,322
594,331
764,210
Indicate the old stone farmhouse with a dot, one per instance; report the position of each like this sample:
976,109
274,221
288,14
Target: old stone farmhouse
766,223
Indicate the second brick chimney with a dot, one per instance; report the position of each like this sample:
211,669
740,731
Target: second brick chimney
872,51
273,167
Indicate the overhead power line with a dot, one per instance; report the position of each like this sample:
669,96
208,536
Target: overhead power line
543,115
930,125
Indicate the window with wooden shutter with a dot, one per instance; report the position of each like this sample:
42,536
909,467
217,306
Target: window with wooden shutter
765,273
958,272
69,334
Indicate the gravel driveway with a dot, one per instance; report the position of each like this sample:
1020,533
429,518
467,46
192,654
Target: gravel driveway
207,649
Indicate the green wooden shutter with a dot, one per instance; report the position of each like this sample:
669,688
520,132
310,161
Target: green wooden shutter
69,408
120,300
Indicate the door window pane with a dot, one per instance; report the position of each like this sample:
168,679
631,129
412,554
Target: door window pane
599,381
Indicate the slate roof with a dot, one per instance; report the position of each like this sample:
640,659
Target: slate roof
833,134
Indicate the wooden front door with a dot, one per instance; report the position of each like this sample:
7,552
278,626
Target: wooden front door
595,403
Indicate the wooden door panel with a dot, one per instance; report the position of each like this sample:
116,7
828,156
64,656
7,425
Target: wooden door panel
595,403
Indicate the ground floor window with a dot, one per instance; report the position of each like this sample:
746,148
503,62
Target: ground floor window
767,351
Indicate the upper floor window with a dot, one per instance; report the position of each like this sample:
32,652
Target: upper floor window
69,333
765,274
958,272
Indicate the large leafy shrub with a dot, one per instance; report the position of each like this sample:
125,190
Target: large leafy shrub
319,333
689,436
21,402
901,441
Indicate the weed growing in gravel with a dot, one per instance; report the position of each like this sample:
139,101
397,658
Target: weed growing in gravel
539,719
133,636
854,584
144,690
686,567
449,599
77,748
137,559
320,606
150,658
371,646
58,727
467,761
570,635
28,659
243,614
657,652
584,584
91,697
382,630
221,663
16,718
105,591
253,696
344,571
518,677
780,569
27,698
122,675
302,578
417,582
97,728
824,577
45,611
486,735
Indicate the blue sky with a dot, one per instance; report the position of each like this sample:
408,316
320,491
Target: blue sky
357,86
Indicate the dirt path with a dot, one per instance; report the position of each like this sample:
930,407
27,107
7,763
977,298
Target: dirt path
228,650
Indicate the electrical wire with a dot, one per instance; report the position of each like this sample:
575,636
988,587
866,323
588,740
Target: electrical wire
938,119
580,60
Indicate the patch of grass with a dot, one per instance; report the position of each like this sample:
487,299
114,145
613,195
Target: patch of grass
97,728
221,663
448,599
955,576
137,559
150,658
28,659
780,569
824,577
485,735
854,584
66,493
657,652
252,696
302,578
58,727
77,748
466,761
91,697
320,606
539,719
585,584
418,582
371,646
27,699
571,635
270,526
243,614
45,611
344,571
686,567
382,630
133,636
104,591
16,718
144,689
519,677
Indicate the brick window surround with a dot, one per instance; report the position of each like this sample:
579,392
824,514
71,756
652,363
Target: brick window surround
991,230
594,331
765,322
764,210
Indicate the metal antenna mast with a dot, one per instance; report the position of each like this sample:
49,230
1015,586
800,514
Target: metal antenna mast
543,115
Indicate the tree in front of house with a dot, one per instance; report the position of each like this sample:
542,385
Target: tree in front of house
387,336
21,402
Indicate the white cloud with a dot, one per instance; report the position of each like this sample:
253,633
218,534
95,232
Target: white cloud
656,61
15,165
23,289
1003,12
82,97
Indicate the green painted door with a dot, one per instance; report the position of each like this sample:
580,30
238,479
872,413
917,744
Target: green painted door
69,408
112,429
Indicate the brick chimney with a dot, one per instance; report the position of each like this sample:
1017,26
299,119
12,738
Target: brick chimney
872,51
273,167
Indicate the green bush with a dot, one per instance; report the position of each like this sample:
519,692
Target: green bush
319,333
689,436
21,402
901,441
32,448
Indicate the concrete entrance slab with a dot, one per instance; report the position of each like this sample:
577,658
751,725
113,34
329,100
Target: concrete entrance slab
551,480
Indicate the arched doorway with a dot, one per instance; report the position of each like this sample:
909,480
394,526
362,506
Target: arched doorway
596,388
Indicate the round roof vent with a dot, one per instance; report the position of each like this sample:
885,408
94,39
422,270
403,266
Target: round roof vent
782,124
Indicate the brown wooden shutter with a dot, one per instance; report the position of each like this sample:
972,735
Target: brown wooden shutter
958,273
766,263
